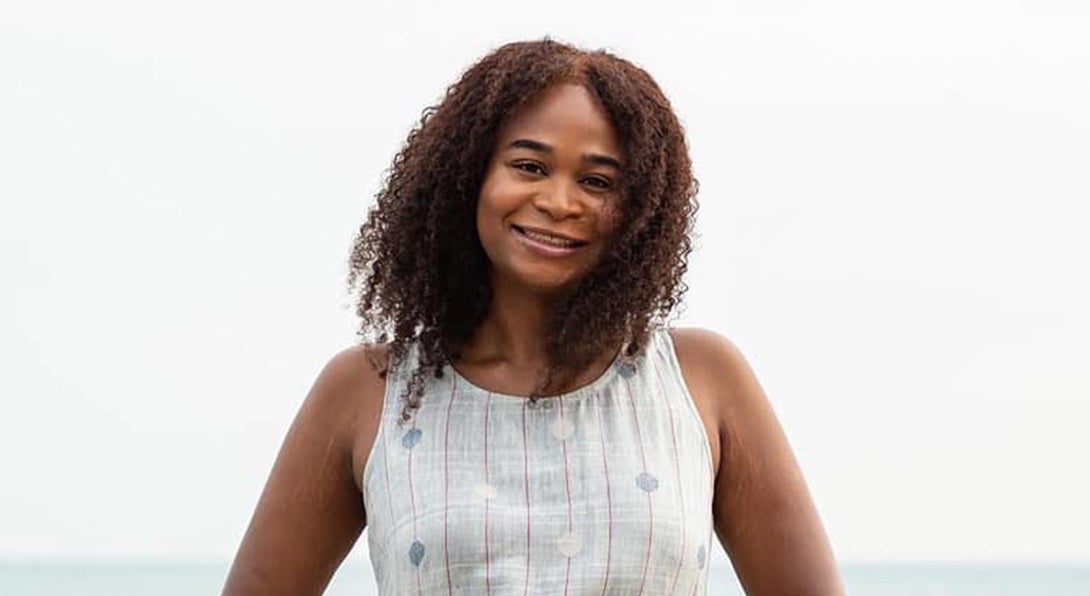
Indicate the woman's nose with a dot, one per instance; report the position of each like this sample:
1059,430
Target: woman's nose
560,200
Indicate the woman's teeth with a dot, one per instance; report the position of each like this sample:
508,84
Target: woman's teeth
550,240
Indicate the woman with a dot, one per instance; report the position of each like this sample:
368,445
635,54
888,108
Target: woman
522,422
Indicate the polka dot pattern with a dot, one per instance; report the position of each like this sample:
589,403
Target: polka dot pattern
600,491
484,491
416,553
562,430
647,481
411,438
569,544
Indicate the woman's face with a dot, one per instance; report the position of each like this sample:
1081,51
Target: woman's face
548,205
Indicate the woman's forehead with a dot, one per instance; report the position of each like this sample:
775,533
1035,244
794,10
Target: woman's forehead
563,113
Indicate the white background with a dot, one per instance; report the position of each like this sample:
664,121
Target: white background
892,228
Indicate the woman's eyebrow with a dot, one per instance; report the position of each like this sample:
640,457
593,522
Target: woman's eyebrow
532,145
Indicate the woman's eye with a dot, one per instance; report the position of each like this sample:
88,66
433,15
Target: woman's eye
598,182
529,166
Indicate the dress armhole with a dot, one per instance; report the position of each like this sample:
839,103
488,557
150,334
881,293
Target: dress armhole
687,397
389,386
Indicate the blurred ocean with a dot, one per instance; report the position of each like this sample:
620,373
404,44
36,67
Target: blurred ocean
116,578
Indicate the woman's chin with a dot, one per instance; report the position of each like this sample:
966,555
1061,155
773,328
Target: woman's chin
549,283
551,287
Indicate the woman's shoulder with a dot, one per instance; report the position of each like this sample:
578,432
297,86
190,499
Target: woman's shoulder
364,360
353,375
347,398
705,353
719,378
716,362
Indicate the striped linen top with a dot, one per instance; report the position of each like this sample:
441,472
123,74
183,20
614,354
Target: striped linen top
603,490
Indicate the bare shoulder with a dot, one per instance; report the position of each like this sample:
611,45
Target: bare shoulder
706,352
764,515
310,512
356,368
727,392
717,363
353,384
346,400
360,363
718,378
348,385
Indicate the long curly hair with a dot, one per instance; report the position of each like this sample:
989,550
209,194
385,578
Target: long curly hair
418,272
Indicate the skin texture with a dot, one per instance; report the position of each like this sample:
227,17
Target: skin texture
555,165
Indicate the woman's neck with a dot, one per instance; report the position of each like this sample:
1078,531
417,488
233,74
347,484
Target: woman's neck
507,351
513,331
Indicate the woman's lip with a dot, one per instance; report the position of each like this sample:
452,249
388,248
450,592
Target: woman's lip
544,232
542,249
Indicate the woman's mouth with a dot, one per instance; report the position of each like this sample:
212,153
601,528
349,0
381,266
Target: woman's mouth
546,244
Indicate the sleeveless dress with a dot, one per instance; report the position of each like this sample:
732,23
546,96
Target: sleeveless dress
605,490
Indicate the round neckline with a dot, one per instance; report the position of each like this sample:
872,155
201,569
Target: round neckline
592,387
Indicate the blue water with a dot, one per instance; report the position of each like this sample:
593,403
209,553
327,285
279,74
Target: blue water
48,578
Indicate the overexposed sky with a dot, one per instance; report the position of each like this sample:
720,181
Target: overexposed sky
893,228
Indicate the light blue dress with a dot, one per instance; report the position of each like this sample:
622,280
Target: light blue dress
603,490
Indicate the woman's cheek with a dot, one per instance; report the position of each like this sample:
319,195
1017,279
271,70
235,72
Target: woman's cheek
608,219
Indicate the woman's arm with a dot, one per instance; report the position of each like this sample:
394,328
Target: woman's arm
764,515
311,511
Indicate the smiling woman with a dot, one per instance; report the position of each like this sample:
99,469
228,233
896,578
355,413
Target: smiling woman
521,420
547,208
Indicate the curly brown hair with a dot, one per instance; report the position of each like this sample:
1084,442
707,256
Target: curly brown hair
424,273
